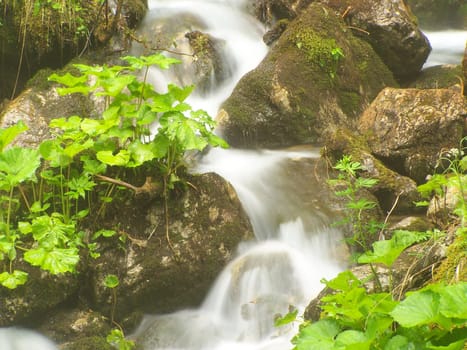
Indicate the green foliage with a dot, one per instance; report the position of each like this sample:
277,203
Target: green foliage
434,317
349,185
323,51
46,193
118,341
352,318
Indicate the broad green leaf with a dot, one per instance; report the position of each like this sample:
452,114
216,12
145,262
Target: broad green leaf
352,340
180,94
119,159
80,185
12,281
92,166
52,151
103,233
115,85
141,152
111,281
344,281
399,342
317,336
56,261
453,301
17,165
68,79
51,231
286,319
419,308
7,135
458,345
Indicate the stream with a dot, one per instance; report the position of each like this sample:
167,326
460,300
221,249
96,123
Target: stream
295,245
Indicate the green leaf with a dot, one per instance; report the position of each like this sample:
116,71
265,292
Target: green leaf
344,281
141,152
56,261
145,61
17,165
103,233
453,301
51,231
12,281
399,342
419,308
317,336
52,151
69,79
286,319
120,159
352,340
111,281
7,135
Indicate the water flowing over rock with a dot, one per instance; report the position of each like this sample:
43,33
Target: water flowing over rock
392,30
183,37
317,76
408,128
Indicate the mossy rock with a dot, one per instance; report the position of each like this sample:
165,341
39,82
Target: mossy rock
438,77
316,77
88,343
391,189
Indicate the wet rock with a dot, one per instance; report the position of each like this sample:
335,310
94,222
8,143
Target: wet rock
391,29
203,62
408,128
270,11
317,76
163,268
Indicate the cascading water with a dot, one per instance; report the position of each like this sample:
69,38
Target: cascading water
447,46
295,244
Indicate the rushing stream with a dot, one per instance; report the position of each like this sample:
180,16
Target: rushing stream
295,246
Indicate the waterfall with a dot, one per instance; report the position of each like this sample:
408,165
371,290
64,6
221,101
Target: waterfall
447,47
295,245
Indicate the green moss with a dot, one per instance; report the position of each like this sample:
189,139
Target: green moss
88,343
350,102
323,51
453,268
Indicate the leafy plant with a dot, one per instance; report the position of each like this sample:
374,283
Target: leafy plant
351,183
118,341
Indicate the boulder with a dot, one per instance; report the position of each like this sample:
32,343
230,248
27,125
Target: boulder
163,268
43,291
38,104
393,191
438,77
316,76
408,128
270,11
391,29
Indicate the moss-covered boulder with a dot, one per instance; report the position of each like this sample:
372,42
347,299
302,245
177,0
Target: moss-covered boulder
438,77
171,257
270,11
409,128
391,29
317,76
393,191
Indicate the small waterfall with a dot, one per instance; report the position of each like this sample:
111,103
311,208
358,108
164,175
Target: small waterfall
294,246
447,47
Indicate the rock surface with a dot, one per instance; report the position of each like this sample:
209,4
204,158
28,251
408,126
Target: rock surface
408,128
391,29
316,77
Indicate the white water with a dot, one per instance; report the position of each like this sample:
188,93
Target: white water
294,246
447,47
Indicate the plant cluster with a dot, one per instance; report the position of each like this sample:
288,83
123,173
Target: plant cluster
47,192
433,317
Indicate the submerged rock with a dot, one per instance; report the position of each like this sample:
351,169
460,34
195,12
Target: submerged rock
316,77
409,128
